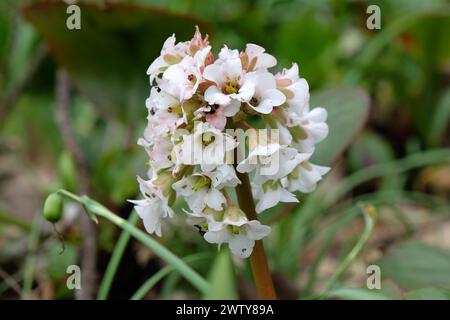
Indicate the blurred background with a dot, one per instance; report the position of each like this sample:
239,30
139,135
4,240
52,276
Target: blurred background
72,109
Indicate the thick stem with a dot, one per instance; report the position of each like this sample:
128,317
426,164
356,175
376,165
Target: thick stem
258,260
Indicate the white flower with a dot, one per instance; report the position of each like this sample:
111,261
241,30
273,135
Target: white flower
186,75
266,95
195,100
171,53
238,232
217,114
226,54
304,177
311,128
270,193
198,219
159,152
230,85
223,176
164,113
207,146
199,193
272,160
255,58
261,151
153,208
296,89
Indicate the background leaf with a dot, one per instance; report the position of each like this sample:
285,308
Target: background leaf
108,57
221,278
357,294
428,294
369,149
416,265
347,111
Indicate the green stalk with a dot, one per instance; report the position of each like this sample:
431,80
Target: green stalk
154,279
94,209
116,257
369,220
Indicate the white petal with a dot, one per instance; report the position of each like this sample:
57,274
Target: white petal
317,115
256,231
286,196
241,246
268,200
214,96
219,236
215,199
232,68
265,60
232,108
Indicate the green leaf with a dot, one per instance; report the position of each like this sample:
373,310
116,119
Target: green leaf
67,172
428,294
347,112
416,265
357,294
58,262
310,47
440,120
221,278
369,149
108,57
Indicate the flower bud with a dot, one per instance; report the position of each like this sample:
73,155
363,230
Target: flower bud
233,213
218,215
53,207
202,181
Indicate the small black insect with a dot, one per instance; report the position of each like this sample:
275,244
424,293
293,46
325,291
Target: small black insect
200,229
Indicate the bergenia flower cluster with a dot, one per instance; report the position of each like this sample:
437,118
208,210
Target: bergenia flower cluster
195,100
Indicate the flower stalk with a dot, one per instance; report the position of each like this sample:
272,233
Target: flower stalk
258,260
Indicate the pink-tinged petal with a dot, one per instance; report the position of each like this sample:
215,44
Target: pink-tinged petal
217,119
197,41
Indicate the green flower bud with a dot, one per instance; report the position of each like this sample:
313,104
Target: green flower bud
53,208
269,184
201,182
218,215
298,133
233,213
